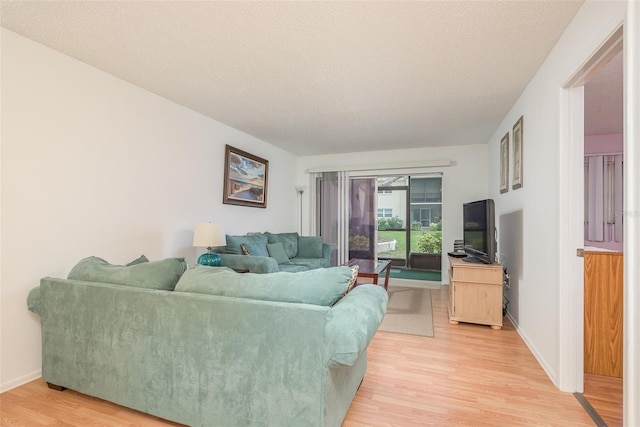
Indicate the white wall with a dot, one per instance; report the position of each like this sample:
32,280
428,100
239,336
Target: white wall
92,165
532,214
464,181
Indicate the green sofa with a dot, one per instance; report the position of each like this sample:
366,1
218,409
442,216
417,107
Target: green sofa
273,252
221,349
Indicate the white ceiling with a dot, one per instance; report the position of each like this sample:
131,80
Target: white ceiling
316,77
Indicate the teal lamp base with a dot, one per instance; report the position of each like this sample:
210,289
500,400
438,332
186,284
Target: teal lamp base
210,259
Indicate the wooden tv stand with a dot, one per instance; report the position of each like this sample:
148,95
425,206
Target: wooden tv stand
475,293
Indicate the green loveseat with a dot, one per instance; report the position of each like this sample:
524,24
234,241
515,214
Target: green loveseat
272,252
221,349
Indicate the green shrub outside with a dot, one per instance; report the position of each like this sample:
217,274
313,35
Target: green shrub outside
401,245
430,243
394,222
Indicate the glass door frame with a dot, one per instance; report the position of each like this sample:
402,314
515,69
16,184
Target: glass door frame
406,219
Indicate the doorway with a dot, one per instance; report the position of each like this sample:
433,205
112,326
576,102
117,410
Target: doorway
409,224
576,349
603,240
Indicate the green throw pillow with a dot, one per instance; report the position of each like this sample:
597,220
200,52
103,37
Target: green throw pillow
309,247
162,274
323,286
289,242
276,250
256,244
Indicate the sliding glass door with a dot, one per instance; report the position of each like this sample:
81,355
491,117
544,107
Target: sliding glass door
388,217
394,239
410,221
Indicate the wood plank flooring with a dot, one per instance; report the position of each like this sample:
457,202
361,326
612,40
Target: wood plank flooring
468,375
604,393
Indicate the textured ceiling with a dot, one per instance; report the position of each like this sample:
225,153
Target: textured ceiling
316,77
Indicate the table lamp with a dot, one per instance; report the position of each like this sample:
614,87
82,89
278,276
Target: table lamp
209,235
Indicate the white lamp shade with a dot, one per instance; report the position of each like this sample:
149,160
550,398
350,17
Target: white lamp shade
208,235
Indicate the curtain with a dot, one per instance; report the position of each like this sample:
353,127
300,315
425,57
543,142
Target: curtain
363,218
603,198
333,222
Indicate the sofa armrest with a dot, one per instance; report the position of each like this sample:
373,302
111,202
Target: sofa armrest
326,251
353,322
33,300
255,264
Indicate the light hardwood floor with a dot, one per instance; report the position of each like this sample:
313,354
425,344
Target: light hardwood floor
605,396
468,375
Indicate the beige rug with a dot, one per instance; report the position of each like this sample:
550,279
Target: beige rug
408,311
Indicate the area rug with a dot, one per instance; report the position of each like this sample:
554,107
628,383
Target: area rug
400,273
408,311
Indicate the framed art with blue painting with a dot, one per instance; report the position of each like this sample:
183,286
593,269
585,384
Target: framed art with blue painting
245,179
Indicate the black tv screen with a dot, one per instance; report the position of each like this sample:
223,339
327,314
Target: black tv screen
479,231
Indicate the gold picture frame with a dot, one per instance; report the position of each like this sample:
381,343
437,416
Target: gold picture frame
518,157
504,164
245,178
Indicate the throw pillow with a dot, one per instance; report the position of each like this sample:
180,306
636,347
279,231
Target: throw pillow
276,250
288,240
323,286
256,244
163,274
354,278
310,247
352,281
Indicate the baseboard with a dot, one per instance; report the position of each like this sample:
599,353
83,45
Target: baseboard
424,284
547,369
17,382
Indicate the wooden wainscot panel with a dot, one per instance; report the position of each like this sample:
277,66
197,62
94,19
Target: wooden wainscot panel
603,279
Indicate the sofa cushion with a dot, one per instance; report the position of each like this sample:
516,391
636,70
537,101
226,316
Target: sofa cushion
288,240
163,274
310,263
139,260
309,247
292,268
256,244
276,250
319,287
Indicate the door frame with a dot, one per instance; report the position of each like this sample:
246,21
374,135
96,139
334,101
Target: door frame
407,213
571,293
571,220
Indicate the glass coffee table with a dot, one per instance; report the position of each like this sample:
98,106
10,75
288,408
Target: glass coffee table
371,269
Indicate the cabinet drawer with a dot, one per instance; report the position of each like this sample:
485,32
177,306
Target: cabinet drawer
488,274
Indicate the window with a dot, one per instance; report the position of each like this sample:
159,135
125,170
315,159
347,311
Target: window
384,191
385,213
603,203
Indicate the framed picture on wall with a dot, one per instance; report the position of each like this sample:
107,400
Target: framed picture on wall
518,158
245,178
504,164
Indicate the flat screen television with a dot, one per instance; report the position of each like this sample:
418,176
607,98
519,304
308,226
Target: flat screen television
479,231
